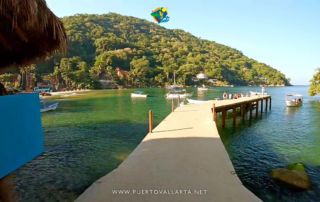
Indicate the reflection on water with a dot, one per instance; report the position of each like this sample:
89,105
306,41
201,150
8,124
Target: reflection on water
201,94
291,111
90,135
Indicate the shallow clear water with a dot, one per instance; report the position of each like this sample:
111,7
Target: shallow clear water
90,135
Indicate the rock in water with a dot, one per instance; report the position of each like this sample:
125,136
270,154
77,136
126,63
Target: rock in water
293,176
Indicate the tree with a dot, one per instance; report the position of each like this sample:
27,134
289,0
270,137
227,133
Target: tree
139,69
73,73
28,77
8,80
110,41
315,84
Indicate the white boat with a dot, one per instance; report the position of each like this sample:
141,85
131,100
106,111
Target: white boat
174,86
177,92
171,87
196,101
253,93
51,107
294,100
177,95
203,88
138,95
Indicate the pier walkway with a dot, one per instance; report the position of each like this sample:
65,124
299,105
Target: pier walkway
183,159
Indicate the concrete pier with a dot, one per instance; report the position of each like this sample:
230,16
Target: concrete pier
183,159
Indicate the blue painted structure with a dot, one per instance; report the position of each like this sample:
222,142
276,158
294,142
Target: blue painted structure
21,136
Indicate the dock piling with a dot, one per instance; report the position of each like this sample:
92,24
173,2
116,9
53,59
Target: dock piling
266,104
270,103
261,106
257,108
172,105
234,116
150,121
250,108
214,113
243,112
224,116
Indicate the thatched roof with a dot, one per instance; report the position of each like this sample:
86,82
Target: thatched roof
28,31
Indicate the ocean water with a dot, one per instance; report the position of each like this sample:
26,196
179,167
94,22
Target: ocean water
91,134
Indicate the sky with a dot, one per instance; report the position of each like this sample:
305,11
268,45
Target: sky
282,33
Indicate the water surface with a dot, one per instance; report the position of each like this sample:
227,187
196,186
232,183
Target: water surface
91,134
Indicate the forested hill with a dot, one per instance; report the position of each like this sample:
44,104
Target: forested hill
98,44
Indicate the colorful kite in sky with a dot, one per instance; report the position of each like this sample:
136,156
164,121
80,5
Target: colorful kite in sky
160,15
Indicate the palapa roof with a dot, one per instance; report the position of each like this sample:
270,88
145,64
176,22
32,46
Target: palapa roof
28,31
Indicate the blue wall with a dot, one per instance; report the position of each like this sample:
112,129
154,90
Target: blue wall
21,137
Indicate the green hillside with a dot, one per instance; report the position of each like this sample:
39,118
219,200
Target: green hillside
98,44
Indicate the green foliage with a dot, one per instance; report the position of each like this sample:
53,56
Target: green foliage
315,84
139,69
98,44
8,80
73,73
28,76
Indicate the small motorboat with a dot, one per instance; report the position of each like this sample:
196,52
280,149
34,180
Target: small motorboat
263,92
50,107
177,95
197,101
203,88
294,100
138,94
253,93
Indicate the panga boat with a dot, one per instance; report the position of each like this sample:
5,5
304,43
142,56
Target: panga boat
294,100
196,101
138,94
46,108
177,93
203,88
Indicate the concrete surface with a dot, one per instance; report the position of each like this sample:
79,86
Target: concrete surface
183,159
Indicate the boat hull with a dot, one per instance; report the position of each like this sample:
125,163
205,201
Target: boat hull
176,96
293,103
135,95
50,108
202,89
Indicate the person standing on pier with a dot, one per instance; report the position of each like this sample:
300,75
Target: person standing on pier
263,89
225,96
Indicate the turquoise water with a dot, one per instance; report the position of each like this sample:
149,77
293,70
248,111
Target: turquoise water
91,134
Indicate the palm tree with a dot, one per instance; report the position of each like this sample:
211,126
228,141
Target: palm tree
27,74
